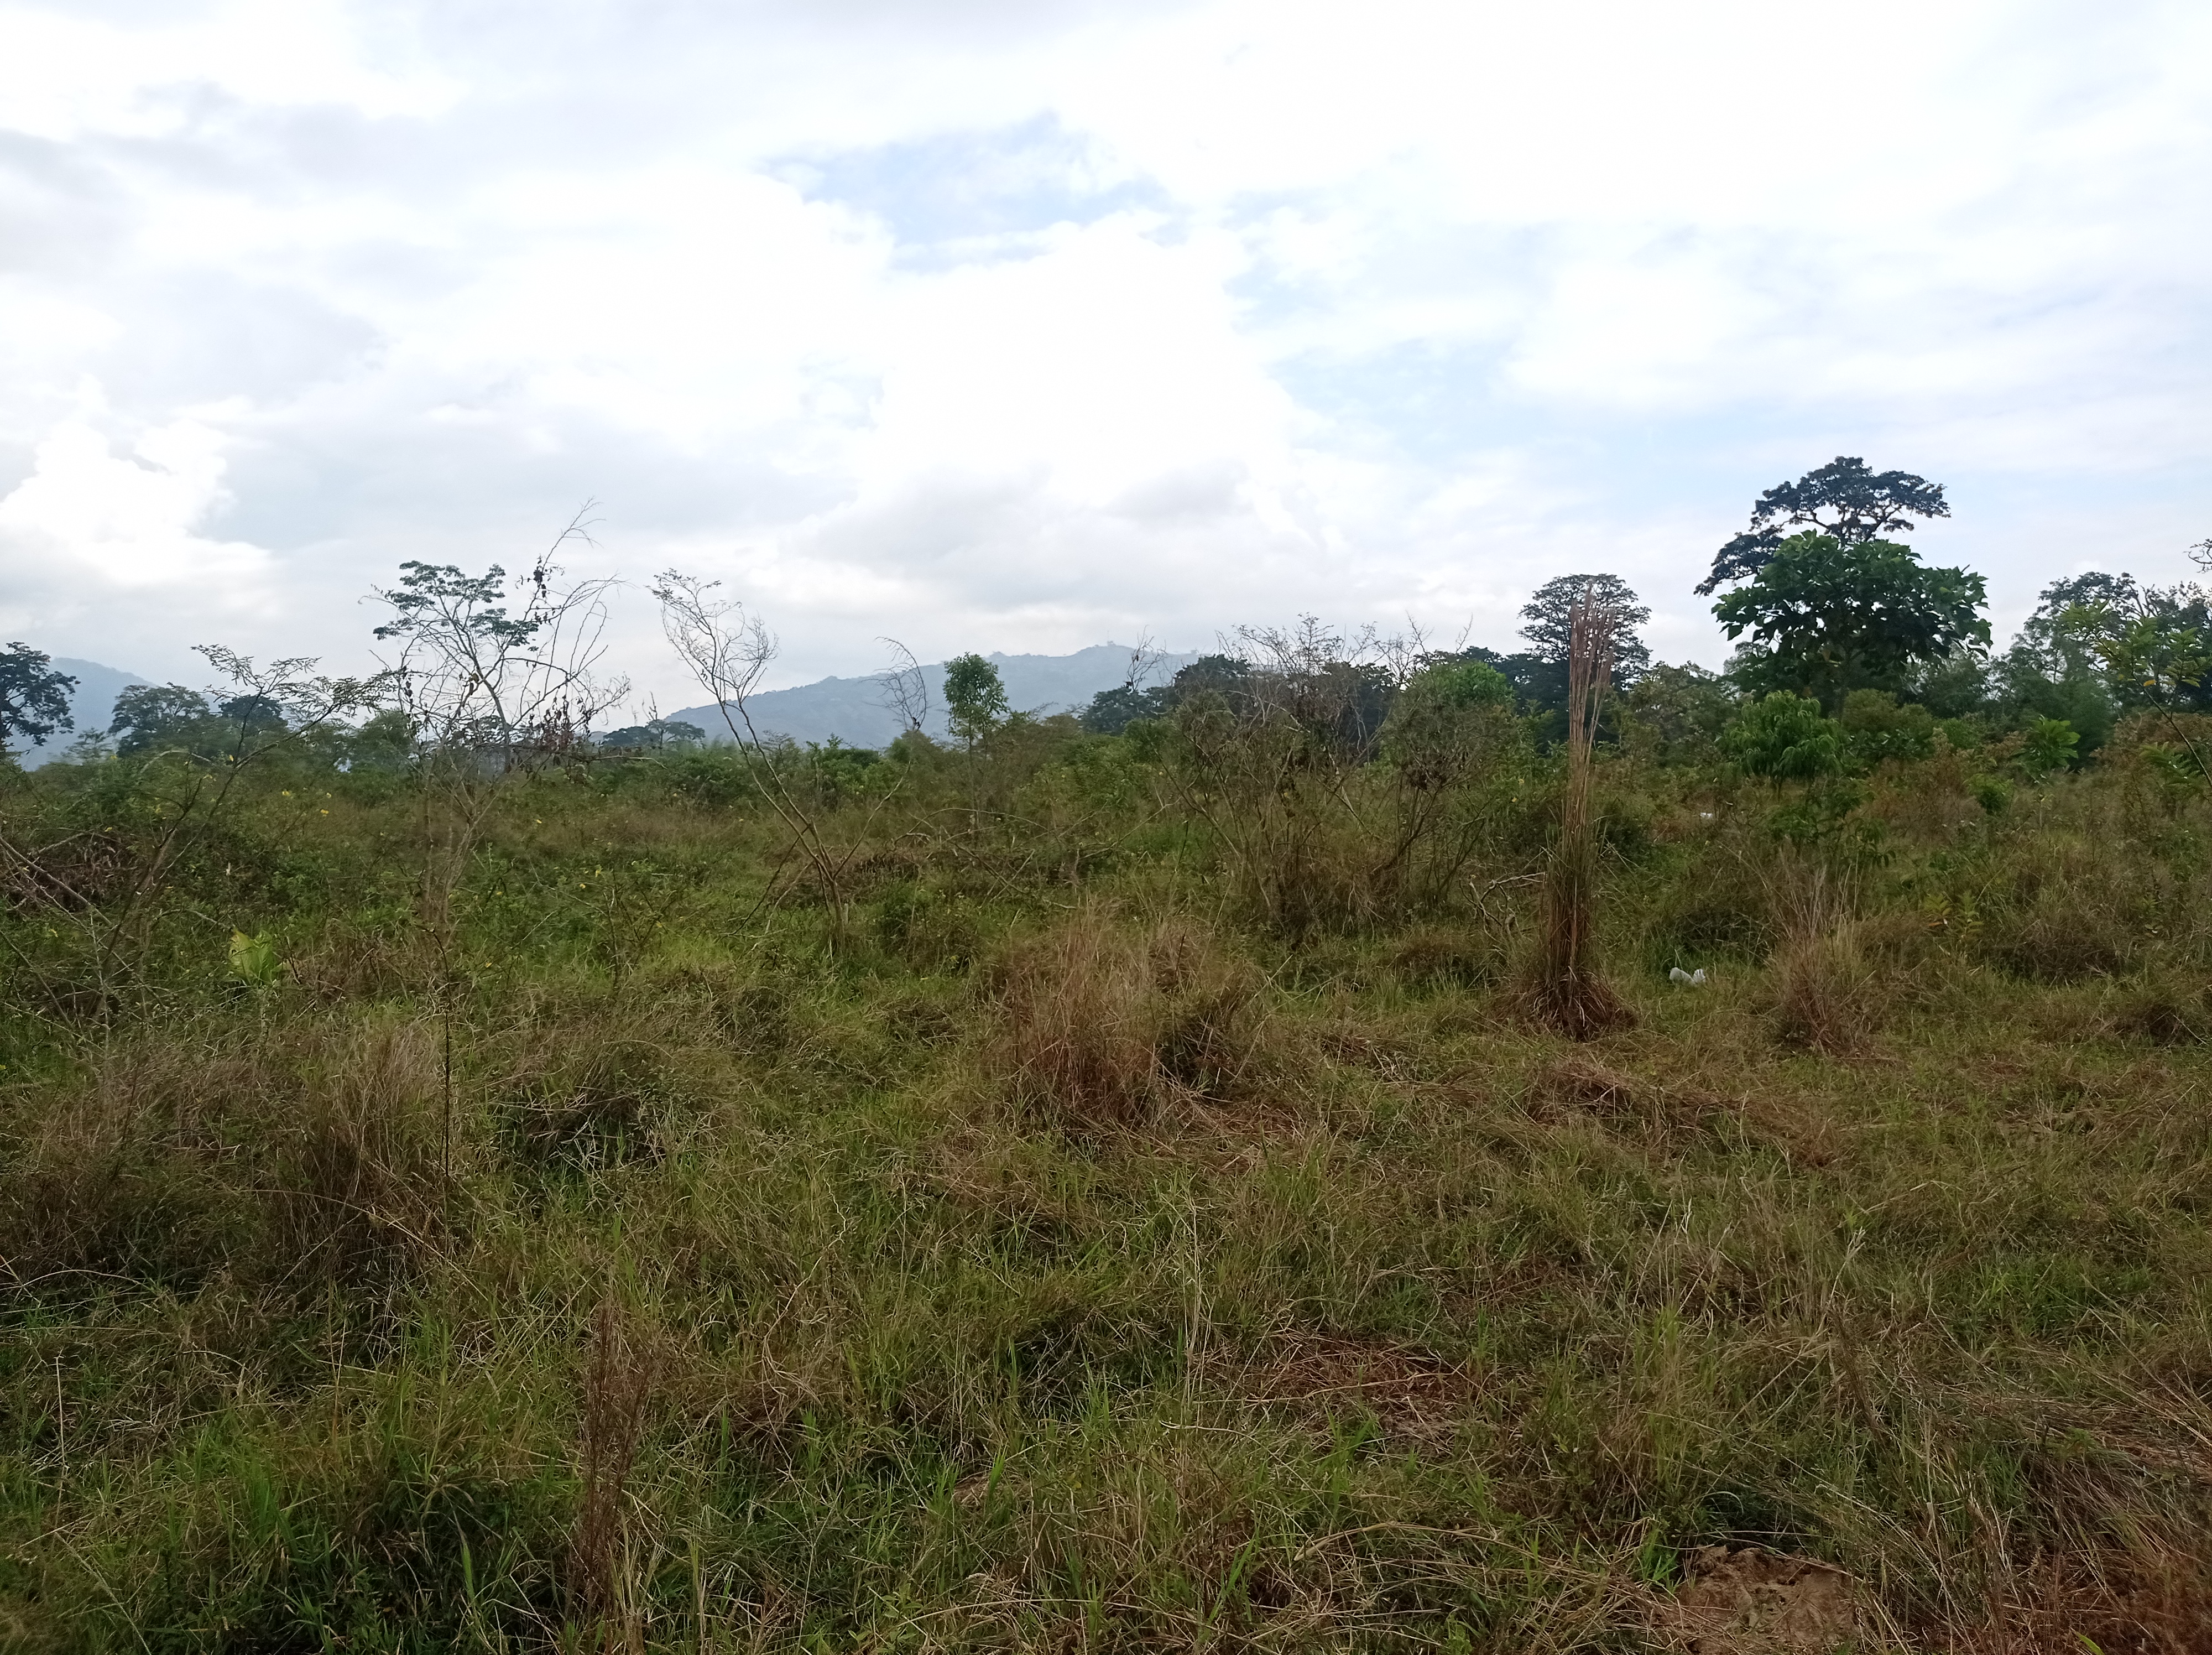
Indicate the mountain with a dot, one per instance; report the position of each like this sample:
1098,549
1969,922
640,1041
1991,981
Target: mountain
92,705
852,710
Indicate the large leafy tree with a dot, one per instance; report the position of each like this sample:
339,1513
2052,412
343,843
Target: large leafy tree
1842,500
148,716
1825,618
1546,621
34,697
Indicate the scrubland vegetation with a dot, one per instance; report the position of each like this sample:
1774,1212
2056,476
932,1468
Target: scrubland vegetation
466,1187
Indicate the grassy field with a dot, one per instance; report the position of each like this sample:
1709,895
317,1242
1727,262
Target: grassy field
1114,1211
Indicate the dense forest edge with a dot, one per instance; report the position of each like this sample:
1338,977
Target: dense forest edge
1358,1142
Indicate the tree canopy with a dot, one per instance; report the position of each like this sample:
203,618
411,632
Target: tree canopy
1546,621
975,697
1842,499
34,697
1827,617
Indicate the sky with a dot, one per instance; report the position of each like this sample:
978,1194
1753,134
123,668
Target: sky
1022,325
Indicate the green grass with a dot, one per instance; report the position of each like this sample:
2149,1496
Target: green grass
1402,1324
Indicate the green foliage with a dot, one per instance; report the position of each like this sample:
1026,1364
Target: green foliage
1844,500
2155,644
254,959
34,697
1781,737
975,698
1827,617
151,717
1459,685
1878,728
1681,711
2052,745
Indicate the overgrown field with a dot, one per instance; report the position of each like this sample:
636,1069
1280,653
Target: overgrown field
1112,1193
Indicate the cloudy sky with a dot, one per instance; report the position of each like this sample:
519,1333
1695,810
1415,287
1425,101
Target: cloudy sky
1023,324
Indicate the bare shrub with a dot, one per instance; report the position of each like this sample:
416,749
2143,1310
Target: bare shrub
1100,1023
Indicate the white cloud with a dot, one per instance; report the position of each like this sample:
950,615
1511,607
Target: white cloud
1020,326
111,542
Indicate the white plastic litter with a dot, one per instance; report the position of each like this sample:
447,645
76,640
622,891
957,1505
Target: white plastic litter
1696,978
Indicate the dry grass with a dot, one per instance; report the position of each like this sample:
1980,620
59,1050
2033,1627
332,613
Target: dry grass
1102,1023
1276,1290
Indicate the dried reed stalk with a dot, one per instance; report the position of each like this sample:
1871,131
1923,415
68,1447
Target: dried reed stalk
1568,992
617,1384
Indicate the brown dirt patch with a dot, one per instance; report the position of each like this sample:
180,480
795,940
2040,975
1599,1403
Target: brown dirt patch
1749,1601
1412,1396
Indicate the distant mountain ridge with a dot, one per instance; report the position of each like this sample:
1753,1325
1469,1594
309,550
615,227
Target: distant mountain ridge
851,709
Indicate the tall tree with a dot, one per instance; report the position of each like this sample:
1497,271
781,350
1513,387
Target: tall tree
1842,500
147,716
1547,621
1826,618
34,697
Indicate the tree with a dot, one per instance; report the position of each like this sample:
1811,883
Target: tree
151,716
1829,618
1548,621
1842,500
2155,646
478,682
975,698
34,697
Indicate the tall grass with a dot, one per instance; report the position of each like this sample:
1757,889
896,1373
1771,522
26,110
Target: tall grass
1066,1251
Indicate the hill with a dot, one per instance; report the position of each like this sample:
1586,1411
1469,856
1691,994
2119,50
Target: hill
851,709
92,704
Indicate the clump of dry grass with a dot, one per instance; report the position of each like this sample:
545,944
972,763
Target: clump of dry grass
367,1157
1828,993
618,1388
310,1154
1100,1022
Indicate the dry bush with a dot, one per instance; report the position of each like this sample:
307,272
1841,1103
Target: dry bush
312,1155
122,1169
2078,906
1828,994
363,1165
2165,1012
1929,802
351,964
1101,1022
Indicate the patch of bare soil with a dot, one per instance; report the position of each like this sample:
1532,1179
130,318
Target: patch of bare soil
1414,1396
1745,1600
